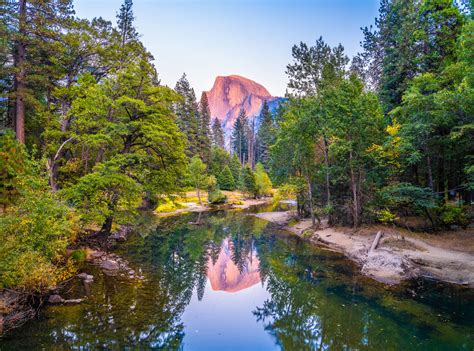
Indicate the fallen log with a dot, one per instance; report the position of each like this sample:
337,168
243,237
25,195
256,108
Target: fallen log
375,243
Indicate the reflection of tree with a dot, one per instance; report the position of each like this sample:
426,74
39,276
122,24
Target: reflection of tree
313,304
201,272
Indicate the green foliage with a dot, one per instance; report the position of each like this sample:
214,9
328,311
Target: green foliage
198,174
249,181
217,134
105,193
34,235
226,179
12,165
240,143
262,181
386,216
265,136
216,197
450,214
408,196
79,255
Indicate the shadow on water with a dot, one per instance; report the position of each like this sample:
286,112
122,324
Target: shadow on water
235,283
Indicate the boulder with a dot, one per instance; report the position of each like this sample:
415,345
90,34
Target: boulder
109,265
86,278
55,299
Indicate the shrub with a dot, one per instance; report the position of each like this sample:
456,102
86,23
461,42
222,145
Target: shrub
450,214
263,183
34,236
217,197
79,256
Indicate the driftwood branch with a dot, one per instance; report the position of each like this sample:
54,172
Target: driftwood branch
375,243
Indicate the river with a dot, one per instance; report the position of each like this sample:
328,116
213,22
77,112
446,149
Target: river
238,283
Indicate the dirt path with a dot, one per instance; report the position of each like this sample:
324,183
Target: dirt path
397,257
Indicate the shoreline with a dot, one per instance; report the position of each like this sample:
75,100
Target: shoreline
397,257
18,307
195,207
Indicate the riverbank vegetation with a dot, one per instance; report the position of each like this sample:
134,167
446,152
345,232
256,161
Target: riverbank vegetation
90,135
388,135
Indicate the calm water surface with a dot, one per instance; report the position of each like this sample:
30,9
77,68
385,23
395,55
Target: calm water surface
236,283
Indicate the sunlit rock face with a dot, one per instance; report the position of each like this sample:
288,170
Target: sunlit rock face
232,93
224,275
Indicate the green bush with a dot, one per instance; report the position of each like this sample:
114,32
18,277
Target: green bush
79,256
450,214
262,180
217,197
34,236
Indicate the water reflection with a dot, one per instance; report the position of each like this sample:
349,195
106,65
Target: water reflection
235,283
232,273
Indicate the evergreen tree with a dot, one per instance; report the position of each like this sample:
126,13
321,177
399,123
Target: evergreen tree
314,64
226,180
265,136
125,25
35,28
217,134
239,137
197,171
236,168
204,129
188,115
249,181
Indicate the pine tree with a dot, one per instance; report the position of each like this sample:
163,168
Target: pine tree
239,137
125,20
314,64
249,181
266,135
226,179
187,115
235,167
35,29
204,129
251,142
218,134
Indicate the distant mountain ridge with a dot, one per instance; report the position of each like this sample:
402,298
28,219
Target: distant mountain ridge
230,94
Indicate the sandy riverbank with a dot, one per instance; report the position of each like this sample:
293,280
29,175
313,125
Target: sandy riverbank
400,254
236,200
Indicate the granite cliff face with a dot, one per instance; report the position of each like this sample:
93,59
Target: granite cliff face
224,275
232,93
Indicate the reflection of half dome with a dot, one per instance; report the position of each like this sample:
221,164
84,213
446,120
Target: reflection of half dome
225,275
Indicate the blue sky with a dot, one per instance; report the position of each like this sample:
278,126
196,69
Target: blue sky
207,38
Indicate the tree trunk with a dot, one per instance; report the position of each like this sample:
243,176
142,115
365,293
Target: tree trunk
326,162
355,197
107,226
20,75
52,165
199,195
430,172
310,194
